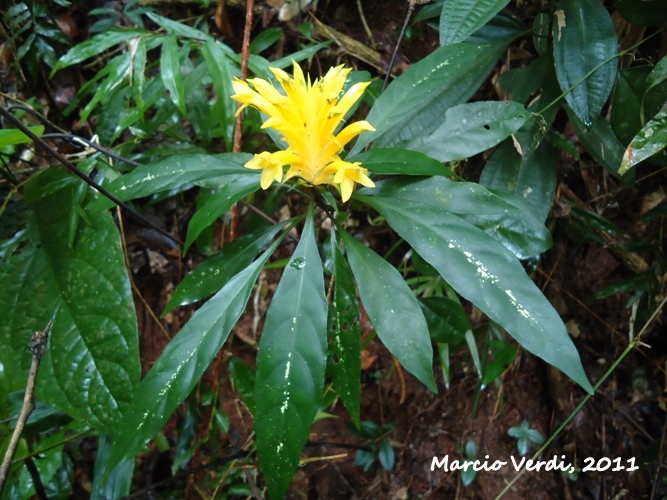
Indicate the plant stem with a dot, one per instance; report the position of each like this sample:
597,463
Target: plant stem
37,348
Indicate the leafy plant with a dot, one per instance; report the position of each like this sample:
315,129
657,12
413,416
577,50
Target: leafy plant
468,474
525,436
472,236
34,34
379,440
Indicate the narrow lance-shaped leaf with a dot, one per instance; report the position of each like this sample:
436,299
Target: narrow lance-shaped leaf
290,364
96,45
218,204
585,39
484,272
345,336
183,362
172,172
393,310
211,275
390,161
170,69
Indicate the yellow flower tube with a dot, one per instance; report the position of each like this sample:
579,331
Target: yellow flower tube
307,115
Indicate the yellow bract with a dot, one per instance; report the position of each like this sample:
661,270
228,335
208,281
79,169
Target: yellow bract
307,115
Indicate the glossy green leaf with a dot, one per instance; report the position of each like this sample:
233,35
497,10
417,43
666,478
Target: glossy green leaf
170,70
173,172
118,71
533,178
218,204
584,42
468,129
291,362
600,142
650,140
139,58
521,232
504,27
13,136
391,161
91,367
413,104
183,362
119,480
484,272
96,45
447,320
393,310
222,74
461,18
450,196
265,39
210,276
180,29
243,377
345,336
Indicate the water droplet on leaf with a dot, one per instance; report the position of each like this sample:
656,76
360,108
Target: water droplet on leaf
298,263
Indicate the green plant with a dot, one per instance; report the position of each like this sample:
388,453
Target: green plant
525,436
379,442
468,474
68,258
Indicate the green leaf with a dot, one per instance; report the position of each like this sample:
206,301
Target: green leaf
453,197
119,480
484,272
118,70
521,232
650,140
218,204
243,377
138,71
392,161
170,70
13,136
180,29
584,42
265,39
447,320
468,129
345,336
209,276
393,310
600,142
96,45
91,367
533,178
386,454
222,75
461,18
413,104
171,173
290,364
183,362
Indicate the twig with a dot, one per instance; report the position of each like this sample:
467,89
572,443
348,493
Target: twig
36,480
411,9
37,347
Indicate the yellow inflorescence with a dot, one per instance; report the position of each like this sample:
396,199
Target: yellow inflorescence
307,116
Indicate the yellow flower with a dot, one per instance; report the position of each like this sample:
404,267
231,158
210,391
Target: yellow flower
307,116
